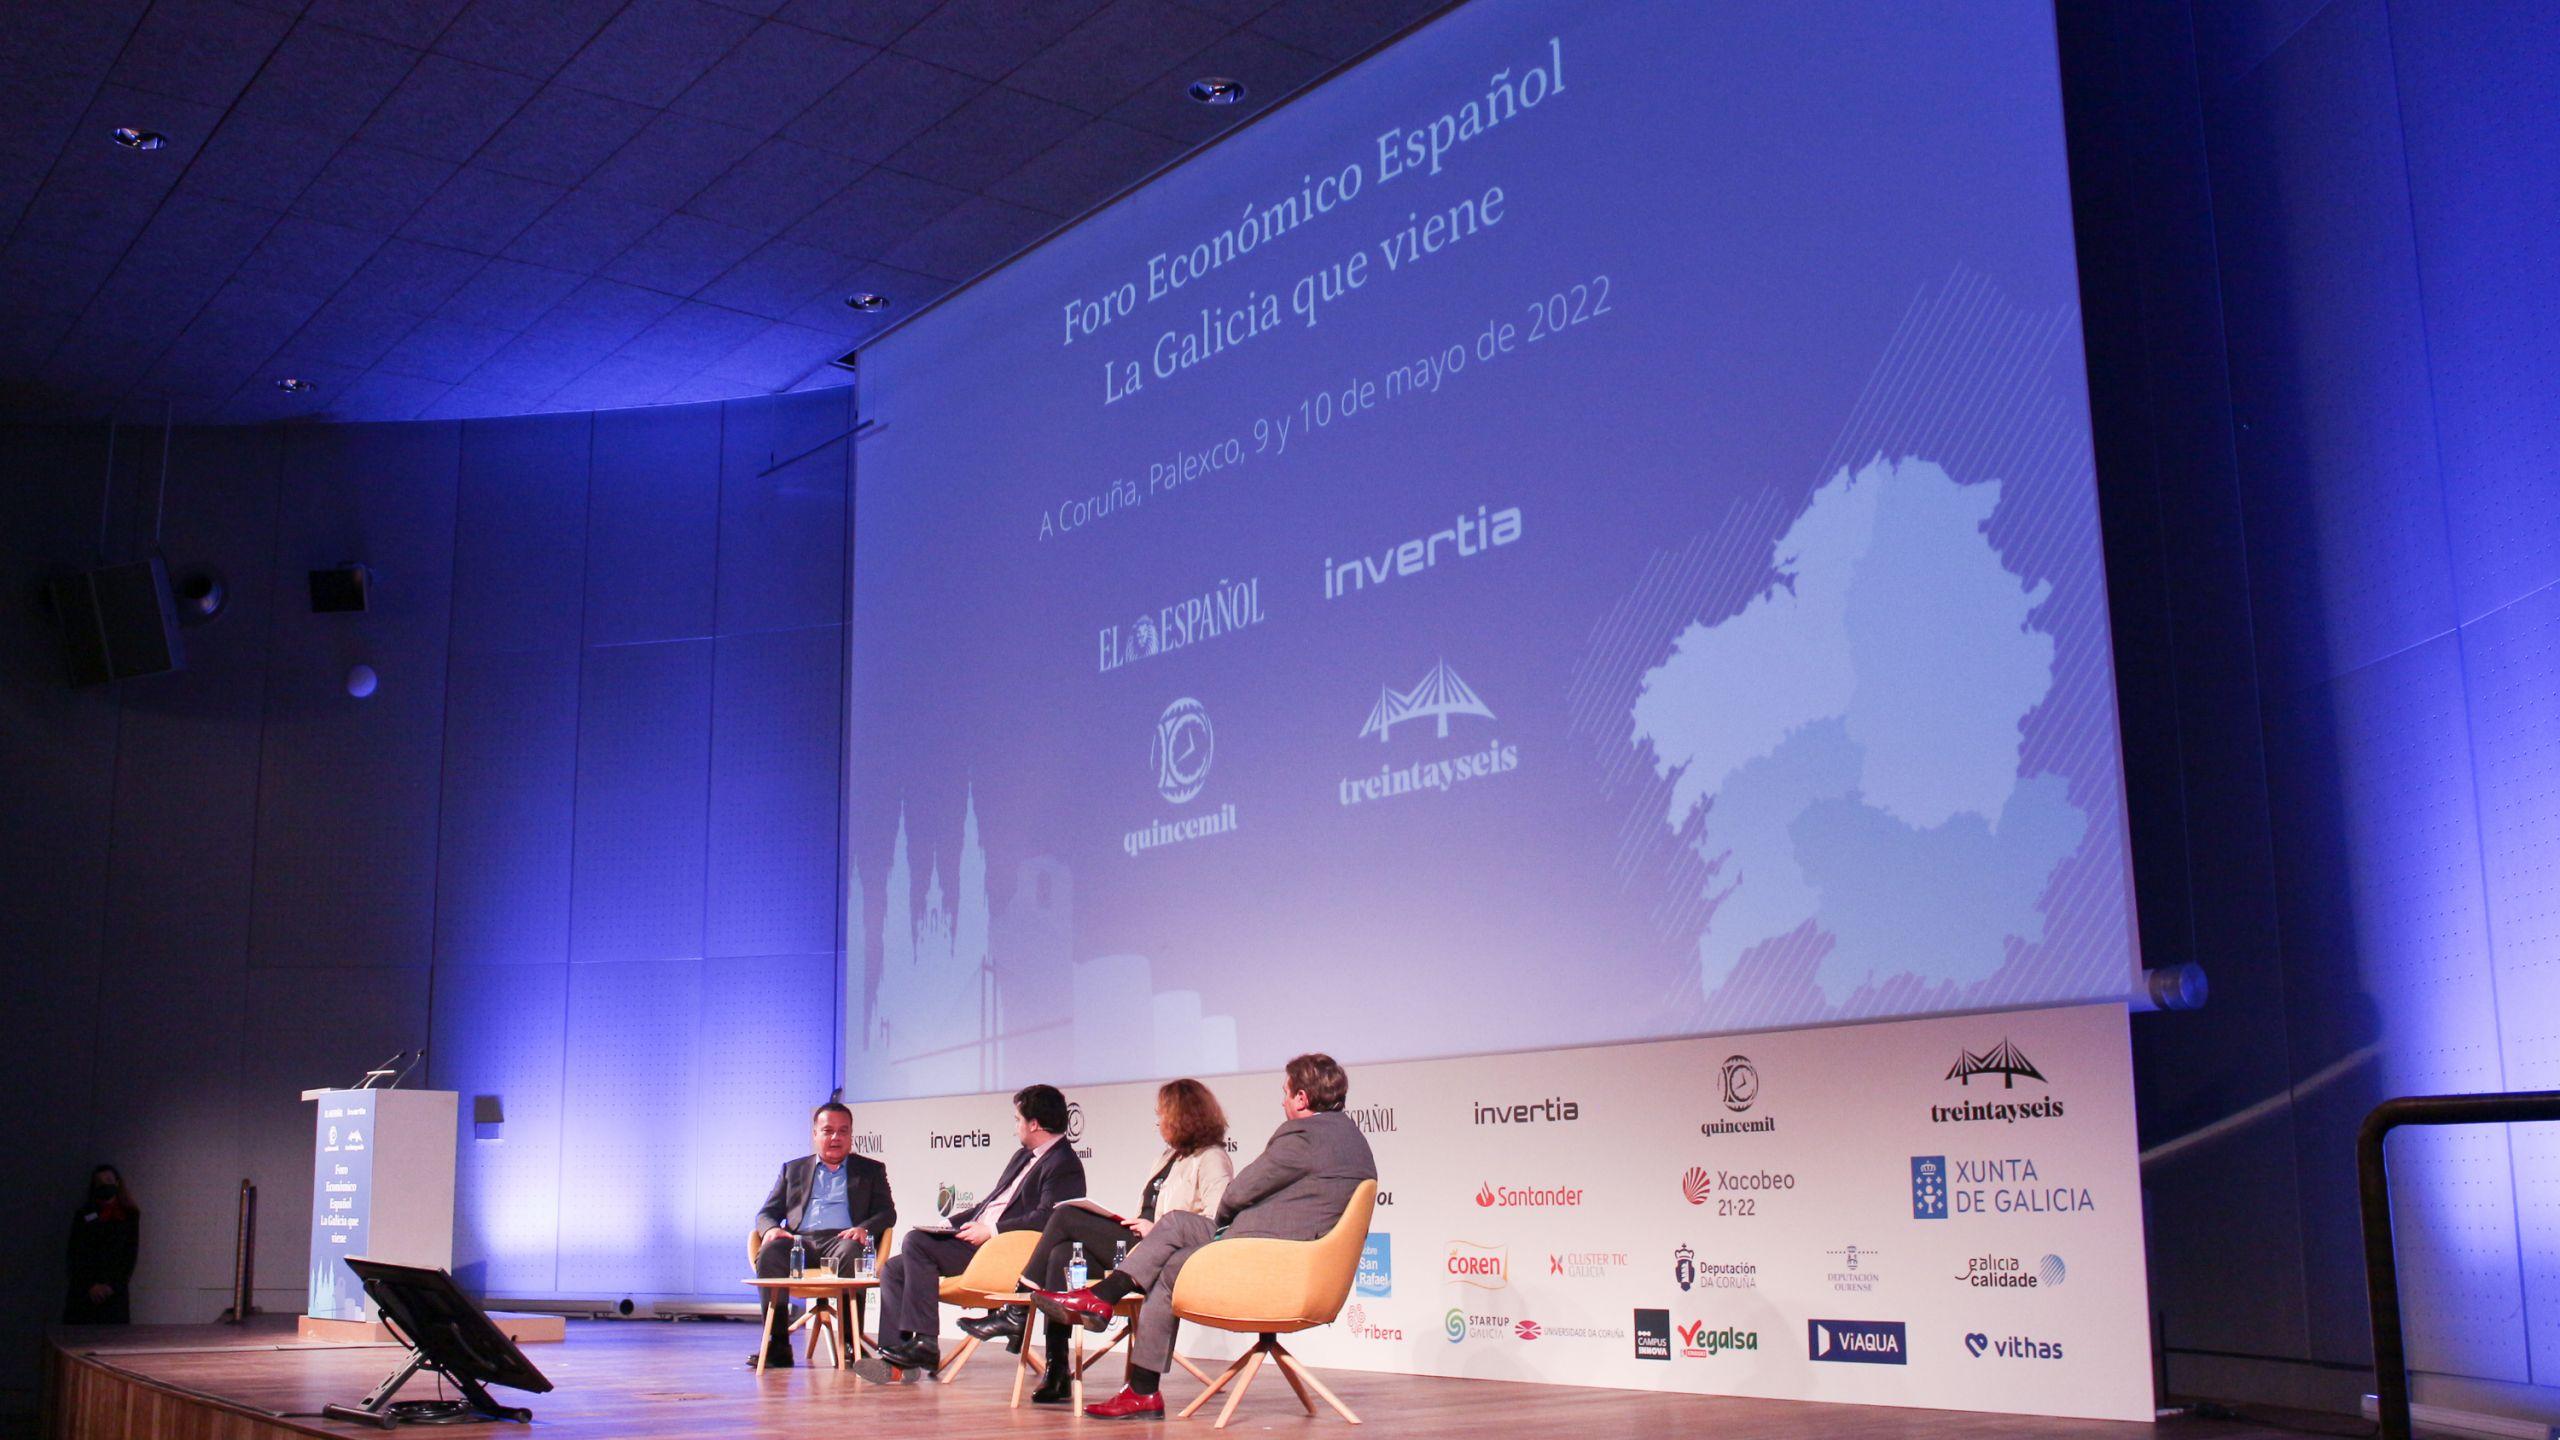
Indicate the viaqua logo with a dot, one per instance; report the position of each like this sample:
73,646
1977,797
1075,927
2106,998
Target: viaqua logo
1856,1342
1700,1343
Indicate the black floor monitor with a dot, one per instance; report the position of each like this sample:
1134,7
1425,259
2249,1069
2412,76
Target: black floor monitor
447,1333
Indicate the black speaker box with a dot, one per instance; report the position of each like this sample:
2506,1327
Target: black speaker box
117,622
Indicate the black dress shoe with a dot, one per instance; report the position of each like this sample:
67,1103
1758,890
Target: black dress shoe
922,1355
1056,1388
771,1362
1002,1323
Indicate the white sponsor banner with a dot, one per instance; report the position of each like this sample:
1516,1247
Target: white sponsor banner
1941,1212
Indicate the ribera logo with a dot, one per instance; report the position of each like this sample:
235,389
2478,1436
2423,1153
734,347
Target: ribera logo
1653,1334
1486,1267
1180,754
2011,1064
1357,1319
958,1140
1437,696
1554,1110
1856,1342
1471,536
2012,1272
1223,609
2014,1347
1528,1197
1377,1275
1700,1343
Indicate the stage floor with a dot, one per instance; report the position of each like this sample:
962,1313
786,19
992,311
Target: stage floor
650,1379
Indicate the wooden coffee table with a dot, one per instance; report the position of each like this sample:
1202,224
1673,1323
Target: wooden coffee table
835,1307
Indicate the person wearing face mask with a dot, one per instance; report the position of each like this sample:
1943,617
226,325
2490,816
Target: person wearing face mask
1190,1178
106,1239
1297,1190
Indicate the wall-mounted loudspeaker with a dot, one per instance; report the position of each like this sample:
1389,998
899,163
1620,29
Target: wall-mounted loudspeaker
200,594
116,622
340,590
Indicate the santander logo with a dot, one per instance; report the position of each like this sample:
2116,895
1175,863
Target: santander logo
1490,1196
1695,1185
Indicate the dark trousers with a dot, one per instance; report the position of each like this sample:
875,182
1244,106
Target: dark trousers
835,1249
911,1283
1068,1225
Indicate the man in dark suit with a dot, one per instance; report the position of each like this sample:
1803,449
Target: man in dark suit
1297,1190
1041,1173
832,1201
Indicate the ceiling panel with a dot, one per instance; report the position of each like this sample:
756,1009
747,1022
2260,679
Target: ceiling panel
479,207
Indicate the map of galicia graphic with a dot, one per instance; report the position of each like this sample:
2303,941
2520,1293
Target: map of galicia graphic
1849,741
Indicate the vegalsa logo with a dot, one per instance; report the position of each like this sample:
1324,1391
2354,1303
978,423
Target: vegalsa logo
1700,1343
2011,1064
1696,1184
1437,696
1471,536
1528,1197
1225,608
1487,1267
2015,1347
1552,1111
1184,745
1856,1342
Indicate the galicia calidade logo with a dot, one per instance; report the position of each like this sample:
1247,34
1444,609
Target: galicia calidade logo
1434,697
1184,745
1928,1187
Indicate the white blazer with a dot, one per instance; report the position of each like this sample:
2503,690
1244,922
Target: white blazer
1196,1182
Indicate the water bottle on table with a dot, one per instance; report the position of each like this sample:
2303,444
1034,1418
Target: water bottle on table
1120,1256
1075,1265
799,1258
870,1258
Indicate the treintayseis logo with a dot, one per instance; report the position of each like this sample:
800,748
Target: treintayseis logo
1438,696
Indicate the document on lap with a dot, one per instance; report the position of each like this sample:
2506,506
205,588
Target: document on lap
1080,1203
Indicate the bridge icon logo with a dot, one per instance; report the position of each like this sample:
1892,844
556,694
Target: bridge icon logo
1436,696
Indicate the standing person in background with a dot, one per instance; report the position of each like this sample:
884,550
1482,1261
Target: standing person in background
106,1239
1190,1177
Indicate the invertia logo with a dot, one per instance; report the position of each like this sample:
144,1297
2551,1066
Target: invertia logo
1700,1343
1471,536
1528,1197
1486,1267
2015,1347
1227,607
2011,1064
1697,1184
1550,1111
958,1140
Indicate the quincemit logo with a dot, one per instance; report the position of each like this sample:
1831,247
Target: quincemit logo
1184,745
1741,1082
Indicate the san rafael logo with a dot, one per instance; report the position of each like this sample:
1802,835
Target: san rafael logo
1377,1278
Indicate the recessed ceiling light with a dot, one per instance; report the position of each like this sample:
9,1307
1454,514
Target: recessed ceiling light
294,385
133,139
867,300
1217,90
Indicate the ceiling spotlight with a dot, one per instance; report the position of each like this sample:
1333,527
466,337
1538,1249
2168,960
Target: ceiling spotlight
294,385
1217,90
133,139
867,300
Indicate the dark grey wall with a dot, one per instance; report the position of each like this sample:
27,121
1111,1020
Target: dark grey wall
586,825
2318,238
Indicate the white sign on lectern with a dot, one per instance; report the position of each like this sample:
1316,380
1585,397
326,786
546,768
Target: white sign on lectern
381,1187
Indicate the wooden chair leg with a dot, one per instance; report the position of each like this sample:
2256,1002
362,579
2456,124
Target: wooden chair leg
1030,1366
1196,1372
1290,1366
1218,1384
950,1369
764,1346
1281,1357
1076,1362
1244,1382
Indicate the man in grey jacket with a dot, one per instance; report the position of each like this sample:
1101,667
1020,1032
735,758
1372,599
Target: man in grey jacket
1297,1190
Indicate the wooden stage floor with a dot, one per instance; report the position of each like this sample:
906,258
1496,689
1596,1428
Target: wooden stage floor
651,1379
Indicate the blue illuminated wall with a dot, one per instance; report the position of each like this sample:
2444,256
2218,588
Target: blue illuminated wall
581,843
2317,242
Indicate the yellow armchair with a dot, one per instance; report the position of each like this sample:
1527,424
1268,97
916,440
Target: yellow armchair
994,1271
1270,1288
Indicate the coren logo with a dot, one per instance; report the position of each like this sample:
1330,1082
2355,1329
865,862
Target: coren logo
1471,536
1486,1267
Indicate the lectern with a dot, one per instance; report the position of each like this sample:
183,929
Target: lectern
381,1187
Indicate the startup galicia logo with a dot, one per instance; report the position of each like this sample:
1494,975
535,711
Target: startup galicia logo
1183,747
1438,696
1471,536
1223,609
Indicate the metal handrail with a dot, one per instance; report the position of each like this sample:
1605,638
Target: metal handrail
2373,1183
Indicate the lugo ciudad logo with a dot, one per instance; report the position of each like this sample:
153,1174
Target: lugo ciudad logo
1438,697
1998,1103
1179,756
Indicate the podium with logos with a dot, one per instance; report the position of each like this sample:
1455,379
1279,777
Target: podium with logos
382,1188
